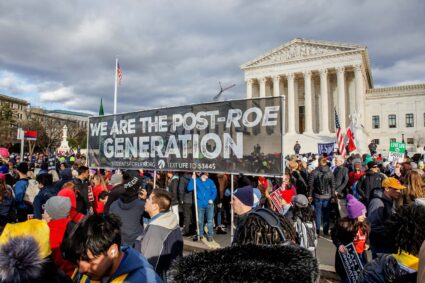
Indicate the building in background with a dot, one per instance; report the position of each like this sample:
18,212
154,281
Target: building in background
317,77
12,111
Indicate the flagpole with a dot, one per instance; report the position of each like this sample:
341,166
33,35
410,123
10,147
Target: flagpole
116,86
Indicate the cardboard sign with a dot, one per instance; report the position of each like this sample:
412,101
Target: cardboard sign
397,151
351,262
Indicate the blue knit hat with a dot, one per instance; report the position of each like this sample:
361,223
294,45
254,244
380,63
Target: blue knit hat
245,195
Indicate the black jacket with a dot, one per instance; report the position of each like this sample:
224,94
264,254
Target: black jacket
82,188
185,195
321,183
379,211
385,268
173,189
367,184
299,182
341,180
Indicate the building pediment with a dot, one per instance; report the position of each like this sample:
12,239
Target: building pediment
299,49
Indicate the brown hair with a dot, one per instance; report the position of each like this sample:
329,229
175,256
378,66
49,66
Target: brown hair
69,185
162,198
414,188
4,190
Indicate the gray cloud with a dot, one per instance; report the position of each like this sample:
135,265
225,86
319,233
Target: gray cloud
175,52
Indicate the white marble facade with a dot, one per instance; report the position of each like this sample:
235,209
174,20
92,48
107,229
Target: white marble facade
316,77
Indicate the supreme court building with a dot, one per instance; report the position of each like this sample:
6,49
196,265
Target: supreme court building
317,77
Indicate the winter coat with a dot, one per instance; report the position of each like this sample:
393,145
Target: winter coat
162,242
385,268
98,206
131,215
41,198
82,188
319,175
57,233
205,191
19,190
341,180
114,194
5,205
173,189
73,213
367,184
247,263
341,236
185,195
134,268
379,210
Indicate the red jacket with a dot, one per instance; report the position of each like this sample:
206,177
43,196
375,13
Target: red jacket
57,232
354,177
73,214
98,206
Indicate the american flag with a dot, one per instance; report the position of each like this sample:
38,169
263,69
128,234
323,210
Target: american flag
119,73
339,137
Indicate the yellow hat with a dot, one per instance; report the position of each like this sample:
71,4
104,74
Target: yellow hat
38,229
392,183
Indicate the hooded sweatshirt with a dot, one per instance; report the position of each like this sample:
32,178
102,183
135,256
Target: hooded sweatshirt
133,268
162,242
130,210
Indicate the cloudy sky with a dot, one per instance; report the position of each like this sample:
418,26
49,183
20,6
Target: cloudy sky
61,54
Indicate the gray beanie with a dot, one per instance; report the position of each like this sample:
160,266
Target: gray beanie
58,207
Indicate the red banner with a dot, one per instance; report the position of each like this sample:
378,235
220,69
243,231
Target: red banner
30,135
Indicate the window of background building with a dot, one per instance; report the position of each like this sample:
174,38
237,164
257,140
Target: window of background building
424,119
375,141
375,122
393,139
409,120
410,140
392,123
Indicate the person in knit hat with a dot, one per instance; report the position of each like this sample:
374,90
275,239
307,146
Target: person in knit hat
351,229
56,214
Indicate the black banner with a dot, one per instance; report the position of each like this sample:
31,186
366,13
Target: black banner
238,136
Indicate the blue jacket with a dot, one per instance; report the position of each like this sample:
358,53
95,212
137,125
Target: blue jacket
205,191
20,189
41,198
134,265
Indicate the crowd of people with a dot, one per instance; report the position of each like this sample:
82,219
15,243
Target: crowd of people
61,221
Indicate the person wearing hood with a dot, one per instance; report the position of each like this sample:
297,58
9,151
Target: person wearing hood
369,182
25,254
129,208
162,241
321,188
45,184
406,227
380,209
95,247
65,177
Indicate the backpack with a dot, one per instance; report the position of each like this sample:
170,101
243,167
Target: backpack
307,236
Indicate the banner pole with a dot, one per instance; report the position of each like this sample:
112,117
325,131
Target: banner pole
196,204
282,106
154,179
231,210
116,86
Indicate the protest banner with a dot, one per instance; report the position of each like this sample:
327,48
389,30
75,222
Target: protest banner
276,199
351,262
238,136
327,148
397,151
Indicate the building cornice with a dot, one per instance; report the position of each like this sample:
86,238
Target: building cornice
396,88
13,99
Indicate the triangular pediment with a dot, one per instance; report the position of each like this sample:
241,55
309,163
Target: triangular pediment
300,49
